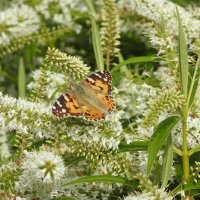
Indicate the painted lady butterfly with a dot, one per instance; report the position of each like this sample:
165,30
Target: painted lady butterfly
90,99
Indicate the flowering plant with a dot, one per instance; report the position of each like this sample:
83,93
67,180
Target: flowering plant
147,147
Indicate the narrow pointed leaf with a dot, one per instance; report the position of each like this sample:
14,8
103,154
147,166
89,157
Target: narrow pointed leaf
194,150
185,187
193,82
139,59
133,146
167,162
158,138
5,74
95,36
97,45
124,68
21,79
90,6
104,178
183,56
65,198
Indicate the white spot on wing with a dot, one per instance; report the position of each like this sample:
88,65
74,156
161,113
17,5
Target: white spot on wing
90,79
59,104
64,110
97,75
66,98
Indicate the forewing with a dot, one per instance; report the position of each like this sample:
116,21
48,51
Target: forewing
99,81
68,105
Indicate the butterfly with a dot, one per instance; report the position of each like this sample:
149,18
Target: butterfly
90,99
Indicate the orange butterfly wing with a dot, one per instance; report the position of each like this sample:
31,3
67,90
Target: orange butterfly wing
99,81
69,105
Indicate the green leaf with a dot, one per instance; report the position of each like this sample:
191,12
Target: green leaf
90,6
139,59
95,37
193,82
5,74
188,186
65,198
167,162
104,178
194,150
183,56
134,146
97,45
21,79
158,138
29,54
124,68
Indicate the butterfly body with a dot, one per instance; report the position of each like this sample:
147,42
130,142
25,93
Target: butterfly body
90,99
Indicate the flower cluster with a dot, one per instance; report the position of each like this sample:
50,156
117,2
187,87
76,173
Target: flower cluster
153,10
65,64
17,21
4,149
42,173
152,192
60,12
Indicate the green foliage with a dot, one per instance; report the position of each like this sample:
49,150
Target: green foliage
183,58
134,60
8,175
167,162
38,93
95,155
22,142
158,138
104,178
153,191
95,37
134,146
189,186
97,45
65,198
21,79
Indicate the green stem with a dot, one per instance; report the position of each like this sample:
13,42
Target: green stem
185,152
185,156
177,151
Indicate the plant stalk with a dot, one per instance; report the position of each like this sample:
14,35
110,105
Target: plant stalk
185,156
185,153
